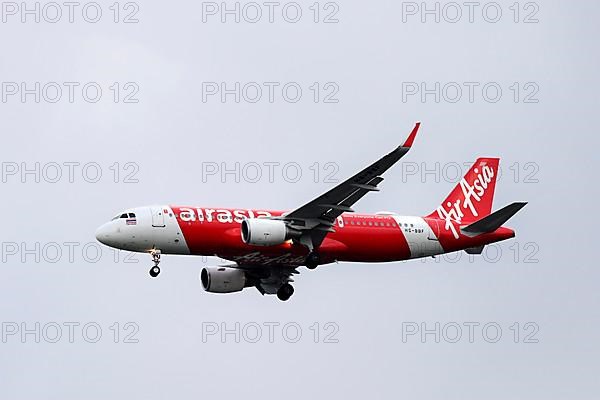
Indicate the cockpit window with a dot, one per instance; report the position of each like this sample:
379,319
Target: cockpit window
124,215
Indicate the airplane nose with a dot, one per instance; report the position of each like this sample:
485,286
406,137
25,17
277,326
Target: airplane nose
103,234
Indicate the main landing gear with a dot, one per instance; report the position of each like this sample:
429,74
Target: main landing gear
155,270
312,260
285,292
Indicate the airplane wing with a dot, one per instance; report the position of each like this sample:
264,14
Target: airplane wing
316,218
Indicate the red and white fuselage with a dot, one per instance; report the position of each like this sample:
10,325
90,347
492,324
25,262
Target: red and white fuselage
205,231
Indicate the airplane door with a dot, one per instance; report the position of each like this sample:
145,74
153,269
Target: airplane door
158,218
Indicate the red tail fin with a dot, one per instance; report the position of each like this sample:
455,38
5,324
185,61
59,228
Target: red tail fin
472,198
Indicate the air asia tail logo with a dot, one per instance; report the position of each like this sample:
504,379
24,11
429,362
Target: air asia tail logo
472,194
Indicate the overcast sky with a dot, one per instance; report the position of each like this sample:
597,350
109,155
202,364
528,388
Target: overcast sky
159,106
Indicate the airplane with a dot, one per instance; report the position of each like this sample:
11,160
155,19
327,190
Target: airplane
265,248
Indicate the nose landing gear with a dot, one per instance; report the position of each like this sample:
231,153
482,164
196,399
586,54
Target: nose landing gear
155,270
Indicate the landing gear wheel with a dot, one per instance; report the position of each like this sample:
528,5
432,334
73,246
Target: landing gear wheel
285,292
154,271
312,260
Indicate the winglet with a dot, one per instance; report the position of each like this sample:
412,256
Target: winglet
411,137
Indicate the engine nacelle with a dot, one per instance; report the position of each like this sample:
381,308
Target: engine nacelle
222,279
266,232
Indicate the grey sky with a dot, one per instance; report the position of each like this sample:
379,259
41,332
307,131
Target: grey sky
545,137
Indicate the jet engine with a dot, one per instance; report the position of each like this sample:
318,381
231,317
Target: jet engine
222,279
266,232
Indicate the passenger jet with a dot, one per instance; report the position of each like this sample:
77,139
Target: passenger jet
265,248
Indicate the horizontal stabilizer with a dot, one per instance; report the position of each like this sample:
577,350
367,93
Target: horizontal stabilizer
475,250
493,221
